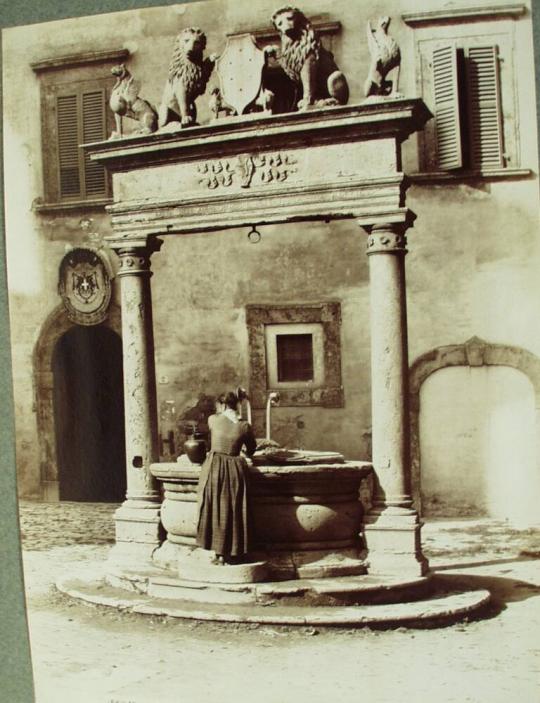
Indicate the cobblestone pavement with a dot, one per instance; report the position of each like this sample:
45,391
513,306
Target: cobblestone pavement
47,525
91,654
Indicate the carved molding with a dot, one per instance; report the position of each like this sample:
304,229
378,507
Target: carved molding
495,174
475,352
269,34
330,394
71,206
330,125
73,60
482,12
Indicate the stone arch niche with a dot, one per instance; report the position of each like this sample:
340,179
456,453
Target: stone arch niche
53,329
474,353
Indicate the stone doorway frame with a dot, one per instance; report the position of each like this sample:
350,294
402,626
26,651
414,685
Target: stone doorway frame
56,324
474,352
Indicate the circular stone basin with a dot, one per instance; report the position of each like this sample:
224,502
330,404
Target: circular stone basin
307,518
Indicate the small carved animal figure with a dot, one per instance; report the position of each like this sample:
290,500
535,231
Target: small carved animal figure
125,102
385,56
307,63
218,105
188,76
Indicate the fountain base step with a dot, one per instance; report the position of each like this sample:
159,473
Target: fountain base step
313,592
192,568
438,608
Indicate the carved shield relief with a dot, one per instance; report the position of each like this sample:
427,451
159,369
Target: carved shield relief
84,286
240,71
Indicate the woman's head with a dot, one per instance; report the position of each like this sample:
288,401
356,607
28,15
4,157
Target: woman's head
230,400
220,403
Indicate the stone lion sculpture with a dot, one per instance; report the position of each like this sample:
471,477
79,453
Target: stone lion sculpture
125,102
187,79
306,62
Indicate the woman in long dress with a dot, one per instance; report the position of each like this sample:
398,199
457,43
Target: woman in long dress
224,523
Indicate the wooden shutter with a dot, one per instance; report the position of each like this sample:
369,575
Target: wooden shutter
446,97
68,146
81,118
484,108
93,130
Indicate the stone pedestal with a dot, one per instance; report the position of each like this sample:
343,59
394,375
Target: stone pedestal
392,527
138,531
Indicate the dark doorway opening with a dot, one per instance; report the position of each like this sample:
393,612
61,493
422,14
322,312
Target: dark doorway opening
89,415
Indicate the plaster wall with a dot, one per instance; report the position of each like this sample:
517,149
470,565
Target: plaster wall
470,270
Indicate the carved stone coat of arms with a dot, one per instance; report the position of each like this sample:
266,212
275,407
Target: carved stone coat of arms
240,71
84,286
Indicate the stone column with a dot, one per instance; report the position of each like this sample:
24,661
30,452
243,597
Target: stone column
392,527
137,520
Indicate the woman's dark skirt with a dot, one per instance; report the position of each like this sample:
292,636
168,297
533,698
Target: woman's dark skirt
224,524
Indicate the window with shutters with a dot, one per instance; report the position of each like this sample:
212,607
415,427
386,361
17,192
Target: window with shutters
466,78
80,118
467,107
75,94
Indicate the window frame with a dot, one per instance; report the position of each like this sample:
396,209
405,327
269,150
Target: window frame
273,332
328,391
467,30
60,77
79,89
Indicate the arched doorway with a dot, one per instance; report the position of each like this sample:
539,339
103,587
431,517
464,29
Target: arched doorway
475,421
88,410
477,438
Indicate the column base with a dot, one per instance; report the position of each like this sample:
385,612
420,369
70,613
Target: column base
138,533
393,540
50,491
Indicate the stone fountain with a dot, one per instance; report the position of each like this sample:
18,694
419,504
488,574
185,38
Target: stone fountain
306,514
320,553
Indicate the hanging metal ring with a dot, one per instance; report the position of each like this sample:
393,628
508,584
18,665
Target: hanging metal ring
254,235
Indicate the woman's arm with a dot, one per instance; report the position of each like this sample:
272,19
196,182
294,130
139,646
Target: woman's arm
249,440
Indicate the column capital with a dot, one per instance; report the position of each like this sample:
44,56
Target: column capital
387,238
135,257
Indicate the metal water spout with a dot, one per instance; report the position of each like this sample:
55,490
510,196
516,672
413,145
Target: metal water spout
244,400
273,400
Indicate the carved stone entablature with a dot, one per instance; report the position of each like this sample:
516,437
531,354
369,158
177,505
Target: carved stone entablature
346,164
387,239
246,168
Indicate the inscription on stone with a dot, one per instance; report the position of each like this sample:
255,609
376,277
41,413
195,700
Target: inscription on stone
246,170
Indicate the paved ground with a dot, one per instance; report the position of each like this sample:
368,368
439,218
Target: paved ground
96,655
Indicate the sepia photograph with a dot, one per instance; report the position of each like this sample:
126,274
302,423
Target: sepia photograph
271,353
